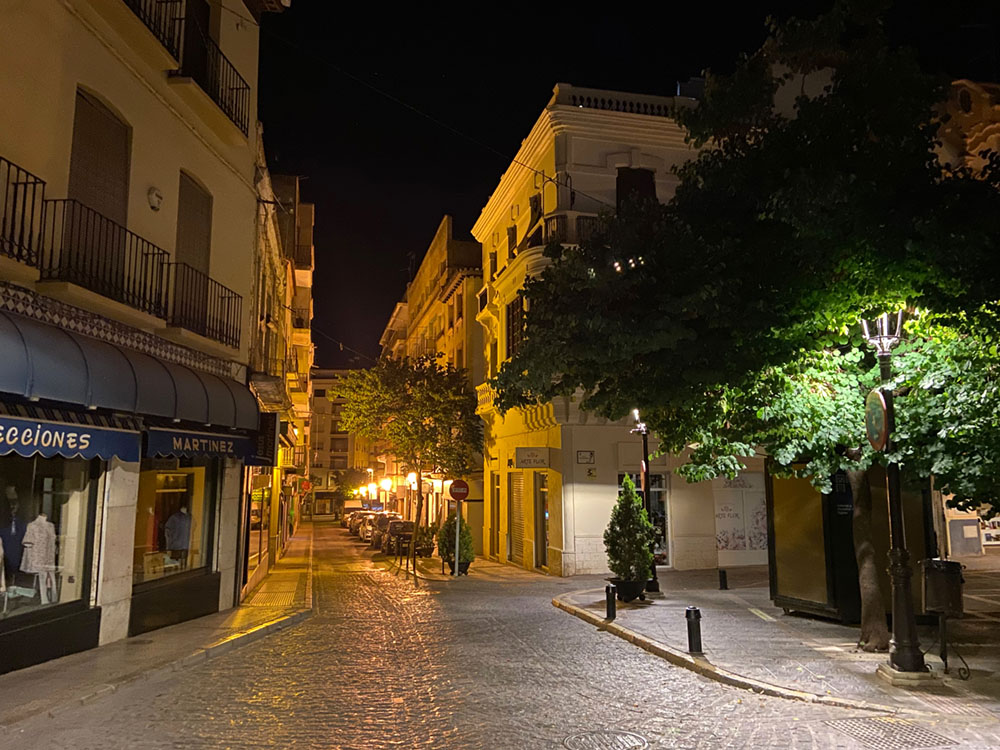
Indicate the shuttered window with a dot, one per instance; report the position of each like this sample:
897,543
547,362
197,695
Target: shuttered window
99,161
515,486
194,225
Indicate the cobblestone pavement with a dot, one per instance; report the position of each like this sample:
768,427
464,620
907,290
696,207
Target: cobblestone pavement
391,663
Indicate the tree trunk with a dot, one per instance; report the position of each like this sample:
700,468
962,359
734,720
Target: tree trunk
874,631
416,522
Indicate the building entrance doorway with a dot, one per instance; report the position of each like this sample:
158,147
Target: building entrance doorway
541,519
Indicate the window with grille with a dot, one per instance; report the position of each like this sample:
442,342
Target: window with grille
515,325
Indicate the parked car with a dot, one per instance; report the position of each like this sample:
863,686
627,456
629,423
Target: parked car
359,519
393,534
366,527
381,524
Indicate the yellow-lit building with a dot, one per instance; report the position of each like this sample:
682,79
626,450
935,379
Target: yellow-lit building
128,236
438,317
553,472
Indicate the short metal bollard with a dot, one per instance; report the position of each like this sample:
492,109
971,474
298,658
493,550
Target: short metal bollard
693,617
723,580
610,593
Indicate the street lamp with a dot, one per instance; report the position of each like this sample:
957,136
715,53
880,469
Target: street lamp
652,584
904,647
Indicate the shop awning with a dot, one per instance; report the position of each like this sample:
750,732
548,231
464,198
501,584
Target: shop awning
41,361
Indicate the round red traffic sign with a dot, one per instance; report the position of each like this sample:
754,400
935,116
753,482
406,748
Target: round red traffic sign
459,489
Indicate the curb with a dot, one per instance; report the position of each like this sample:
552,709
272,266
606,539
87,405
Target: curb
703,667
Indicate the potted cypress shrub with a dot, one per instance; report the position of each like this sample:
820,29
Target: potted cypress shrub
446,545
628,540
423,541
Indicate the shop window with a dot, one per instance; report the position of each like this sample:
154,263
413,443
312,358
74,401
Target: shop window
174,516
45,508
260,521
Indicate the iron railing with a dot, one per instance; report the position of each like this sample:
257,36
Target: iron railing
587,227
203,306
300,317
22,206
203,62
303,257
165,18
83,247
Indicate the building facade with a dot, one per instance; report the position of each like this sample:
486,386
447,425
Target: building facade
437,318
127,235
552,472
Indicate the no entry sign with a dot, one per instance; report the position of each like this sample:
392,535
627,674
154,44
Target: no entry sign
459,489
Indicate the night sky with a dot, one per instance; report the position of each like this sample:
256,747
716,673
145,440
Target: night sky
382,172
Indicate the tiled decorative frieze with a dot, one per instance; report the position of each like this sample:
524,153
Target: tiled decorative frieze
30,304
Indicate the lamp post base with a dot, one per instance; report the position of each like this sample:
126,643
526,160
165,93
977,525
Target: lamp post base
897,678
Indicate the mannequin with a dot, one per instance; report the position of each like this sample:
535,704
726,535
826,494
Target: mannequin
12,529
177,531
40,556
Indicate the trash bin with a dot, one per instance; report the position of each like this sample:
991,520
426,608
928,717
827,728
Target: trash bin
942,587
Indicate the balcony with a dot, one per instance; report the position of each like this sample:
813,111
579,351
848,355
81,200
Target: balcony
83,247
303,257
164,18
22,197
203,62
301,317
484,398
202,305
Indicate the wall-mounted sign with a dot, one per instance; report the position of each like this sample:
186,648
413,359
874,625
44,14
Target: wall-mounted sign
876,424
266,448
28,437
585,457
183,443
532,458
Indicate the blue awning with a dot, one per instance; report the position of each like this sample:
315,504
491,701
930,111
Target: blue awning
42,361
30,437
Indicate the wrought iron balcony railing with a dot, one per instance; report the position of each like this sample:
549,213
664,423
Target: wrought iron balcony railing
86,248
300,317
203,306
165,18
203,62
22,197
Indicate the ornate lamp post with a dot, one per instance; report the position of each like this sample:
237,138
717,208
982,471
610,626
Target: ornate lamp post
640,427
904,647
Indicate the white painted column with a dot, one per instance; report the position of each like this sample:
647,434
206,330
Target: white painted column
229,529
114,590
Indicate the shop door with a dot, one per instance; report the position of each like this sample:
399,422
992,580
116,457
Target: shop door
495,515
541,519
515,517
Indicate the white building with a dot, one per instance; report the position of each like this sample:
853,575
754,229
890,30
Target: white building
552,472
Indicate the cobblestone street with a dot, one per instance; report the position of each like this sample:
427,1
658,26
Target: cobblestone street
390,662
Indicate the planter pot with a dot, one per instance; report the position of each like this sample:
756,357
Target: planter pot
463,568
425,551
629,590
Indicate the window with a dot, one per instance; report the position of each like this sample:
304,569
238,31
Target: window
511,241
459,301
493,267
494,356
515,325
338,445
658,490
194,225
174,516
45,505
535,208
460,358
100,159
319,393
634,184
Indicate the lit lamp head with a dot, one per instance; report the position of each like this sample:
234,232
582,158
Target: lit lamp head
372,489
640,426
887,334
386,484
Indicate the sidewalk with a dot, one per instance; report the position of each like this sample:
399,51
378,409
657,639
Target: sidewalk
483,569
750,643
284,598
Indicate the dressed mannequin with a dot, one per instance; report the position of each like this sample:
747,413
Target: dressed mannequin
177,531
12,529
40,556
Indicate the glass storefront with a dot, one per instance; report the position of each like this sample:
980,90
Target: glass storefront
174,516
45,509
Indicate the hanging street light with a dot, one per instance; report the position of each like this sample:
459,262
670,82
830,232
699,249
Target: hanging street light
647,497
880,421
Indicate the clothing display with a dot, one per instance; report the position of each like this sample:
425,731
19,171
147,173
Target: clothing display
178,531
39,546
12,537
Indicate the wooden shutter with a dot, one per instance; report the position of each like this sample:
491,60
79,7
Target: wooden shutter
194,225
516,487
99,161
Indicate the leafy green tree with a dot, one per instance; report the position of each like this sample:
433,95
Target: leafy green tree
730,314
421,411
347,481
629,536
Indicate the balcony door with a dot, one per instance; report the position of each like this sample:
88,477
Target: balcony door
190,302
196,61
93,247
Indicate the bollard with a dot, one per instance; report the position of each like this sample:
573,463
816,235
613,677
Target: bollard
610,593
723,580
693,617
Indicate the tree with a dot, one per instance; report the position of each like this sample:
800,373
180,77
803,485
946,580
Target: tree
347,481
629,536
421,411
730,314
